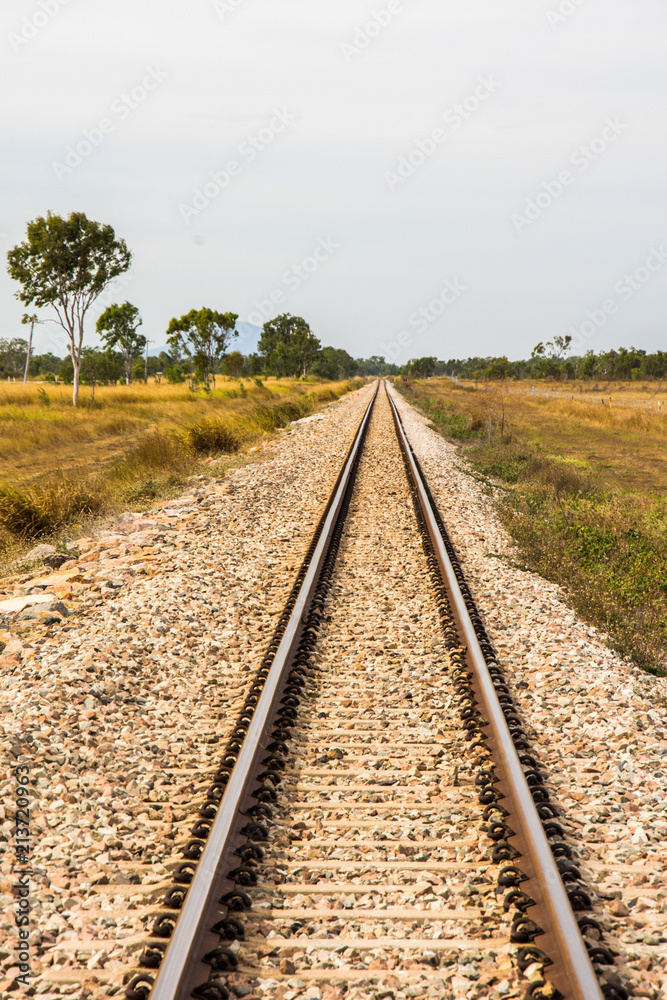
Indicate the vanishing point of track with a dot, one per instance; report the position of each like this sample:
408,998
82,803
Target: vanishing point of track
348,806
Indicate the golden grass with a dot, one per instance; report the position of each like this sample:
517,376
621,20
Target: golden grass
38,439
59,465
632,389
584,495
625,448
32,511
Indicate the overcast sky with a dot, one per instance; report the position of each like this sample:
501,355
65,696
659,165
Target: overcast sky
475,175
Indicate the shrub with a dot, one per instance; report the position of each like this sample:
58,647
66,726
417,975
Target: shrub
155,452
35,510
210,436
175,374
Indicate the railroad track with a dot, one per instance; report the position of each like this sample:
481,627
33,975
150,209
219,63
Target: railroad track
379,825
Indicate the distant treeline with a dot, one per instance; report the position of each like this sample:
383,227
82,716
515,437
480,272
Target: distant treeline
545,362
109,367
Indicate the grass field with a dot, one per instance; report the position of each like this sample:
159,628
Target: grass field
60,465
582,488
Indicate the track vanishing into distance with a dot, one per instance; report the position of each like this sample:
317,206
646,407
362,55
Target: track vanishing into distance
378,823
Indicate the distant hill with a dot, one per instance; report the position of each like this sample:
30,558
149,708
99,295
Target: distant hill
246,342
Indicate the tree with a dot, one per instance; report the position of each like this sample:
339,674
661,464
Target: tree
66,264
118,327
556,348
421,367
256,364
175,374
25,319
12,355
203,334
655,365
376,365
98,367
44,364
497,369
334,363
234,364
288,345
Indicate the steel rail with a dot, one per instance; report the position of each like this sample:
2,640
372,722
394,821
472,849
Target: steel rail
175,979
575,962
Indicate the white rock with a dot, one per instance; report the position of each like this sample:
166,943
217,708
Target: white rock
39,552
16,604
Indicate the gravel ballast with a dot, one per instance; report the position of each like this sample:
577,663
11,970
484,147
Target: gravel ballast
378,879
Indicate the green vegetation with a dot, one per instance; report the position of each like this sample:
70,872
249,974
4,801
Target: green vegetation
288,346
118,326
549,361
572,520
461,426
175,367
203,334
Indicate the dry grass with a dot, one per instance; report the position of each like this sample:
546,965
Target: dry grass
584,495
40,431
60,466
623,448
33,511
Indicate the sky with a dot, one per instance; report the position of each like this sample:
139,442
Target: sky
413,177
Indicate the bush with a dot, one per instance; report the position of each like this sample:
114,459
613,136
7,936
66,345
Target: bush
210,436
36,510
158,451
175,374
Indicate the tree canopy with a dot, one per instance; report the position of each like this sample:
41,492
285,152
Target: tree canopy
118,327
12,355
421,367
202,334
334,363
67,264
287,345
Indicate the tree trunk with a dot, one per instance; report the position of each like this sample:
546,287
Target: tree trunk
27,360
75,351
77,371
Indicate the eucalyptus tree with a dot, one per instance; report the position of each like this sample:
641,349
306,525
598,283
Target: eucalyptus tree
118,326
204,335
66,263
288,345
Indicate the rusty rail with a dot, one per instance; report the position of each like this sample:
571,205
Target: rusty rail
573,971
182,969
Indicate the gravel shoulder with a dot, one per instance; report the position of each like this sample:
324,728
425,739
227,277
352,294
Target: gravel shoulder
598,722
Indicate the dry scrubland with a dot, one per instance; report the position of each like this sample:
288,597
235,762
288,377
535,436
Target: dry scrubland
581,487
60,466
